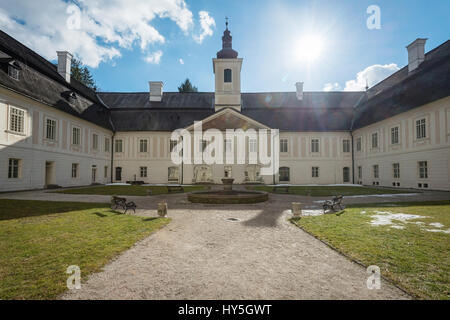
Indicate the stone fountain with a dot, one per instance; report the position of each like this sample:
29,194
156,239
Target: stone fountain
228,195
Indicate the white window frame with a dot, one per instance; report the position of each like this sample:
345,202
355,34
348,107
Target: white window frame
315,142
396,170
421,128
284,145
172,144
143,172
143,145
13,72
46,128
395,135
376,171
74,170
107,144
117,144
252,145
19,125
375,138
315,172
358,144
14,168
78,143
423,169
95,141
346,146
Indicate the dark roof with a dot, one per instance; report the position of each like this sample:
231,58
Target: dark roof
404,91
40,80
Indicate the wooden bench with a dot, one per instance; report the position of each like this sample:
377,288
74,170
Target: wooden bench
333,204
119,202
175,189
285,189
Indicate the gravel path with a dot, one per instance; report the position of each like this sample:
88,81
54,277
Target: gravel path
202,255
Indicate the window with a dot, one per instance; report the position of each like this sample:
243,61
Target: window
284,174
50,129
315,172
346,174
105,172
74,170
346,145
76,136
203,144
13,168
173,143
143,172
16,120
396,170
143,145
394,135
423,169
95,141
376,171
118,173
118,145
227,75
252,145
283,145
358,144
360,172
106,144
315,145
421,132
375,140
13,72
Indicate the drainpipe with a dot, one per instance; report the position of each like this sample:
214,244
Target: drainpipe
353,159
273,154
182,162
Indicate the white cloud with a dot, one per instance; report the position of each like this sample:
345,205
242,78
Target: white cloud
154,57
372,74
206,23
105,26
181,61
331,86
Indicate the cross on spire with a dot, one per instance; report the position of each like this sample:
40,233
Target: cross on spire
226,21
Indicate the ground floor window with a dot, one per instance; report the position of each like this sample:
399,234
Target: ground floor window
13,168
105,172
284,174
118,173
360,173
143,172
396,170
346,173
315,172
423,169
74,170
376,172
94,173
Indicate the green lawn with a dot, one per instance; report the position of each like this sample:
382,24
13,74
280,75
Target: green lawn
415,259
40,239
125,190
325,191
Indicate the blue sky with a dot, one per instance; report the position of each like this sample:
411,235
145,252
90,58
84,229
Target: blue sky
267,34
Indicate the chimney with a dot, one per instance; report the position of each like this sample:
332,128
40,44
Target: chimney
156,90
299,86
64,64
416,53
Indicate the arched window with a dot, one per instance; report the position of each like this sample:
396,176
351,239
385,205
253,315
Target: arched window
227,75
284,174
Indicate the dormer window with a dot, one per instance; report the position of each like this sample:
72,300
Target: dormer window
227,75
14,70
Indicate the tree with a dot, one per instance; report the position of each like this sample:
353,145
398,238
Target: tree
82,74
187,86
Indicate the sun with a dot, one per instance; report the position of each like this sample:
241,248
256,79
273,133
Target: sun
309,48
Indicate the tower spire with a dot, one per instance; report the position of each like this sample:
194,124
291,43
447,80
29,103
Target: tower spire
227,51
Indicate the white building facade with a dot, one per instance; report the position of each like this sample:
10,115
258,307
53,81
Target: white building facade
56,132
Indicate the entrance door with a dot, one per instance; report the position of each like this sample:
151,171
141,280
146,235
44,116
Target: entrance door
118,173
49,173
346,173
94,173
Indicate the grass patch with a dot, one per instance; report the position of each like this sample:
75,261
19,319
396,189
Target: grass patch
126,190
326,191
415,259
40,239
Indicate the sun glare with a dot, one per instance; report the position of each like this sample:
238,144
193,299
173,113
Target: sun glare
309,48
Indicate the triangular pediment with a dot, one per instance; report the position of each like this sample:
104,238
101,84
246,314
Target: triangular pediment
229,119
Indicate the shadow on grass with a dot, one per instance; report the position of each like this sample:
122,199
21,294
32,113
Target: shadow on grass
99,214
150,219
399,204
16,209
